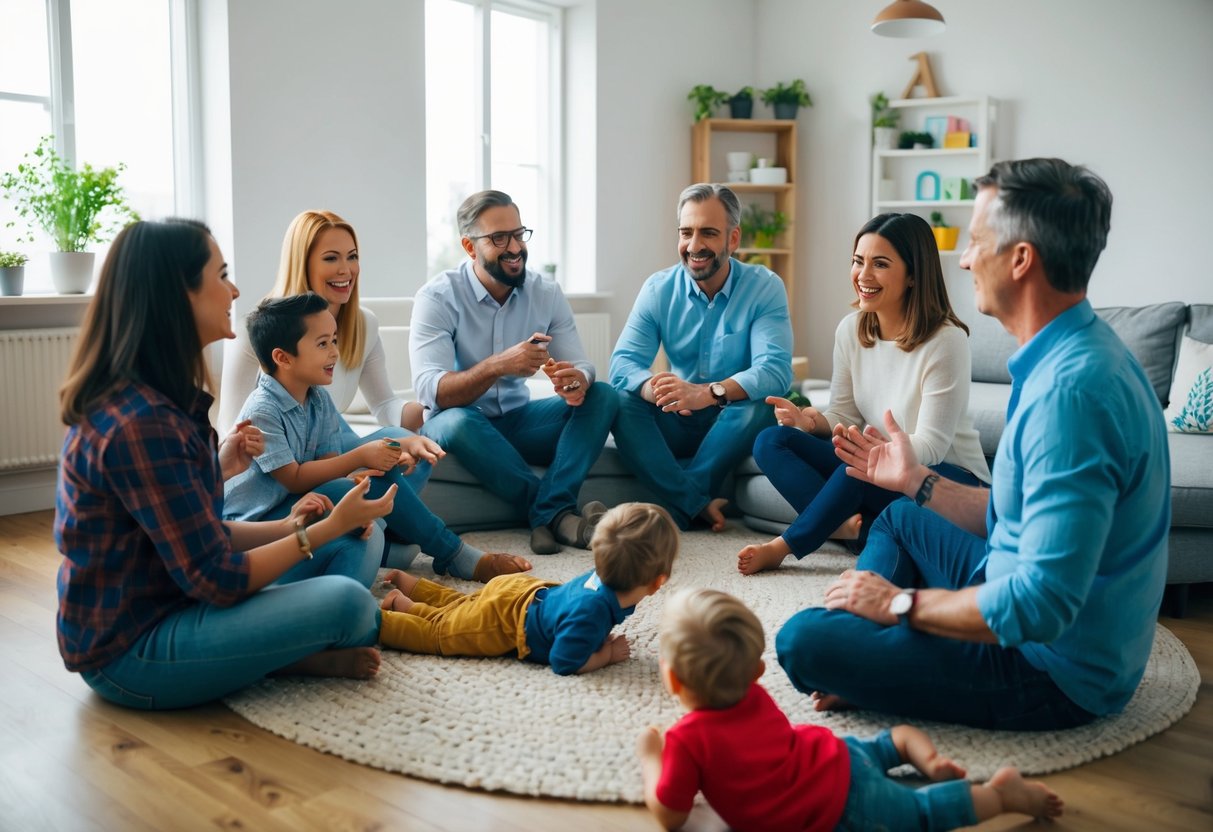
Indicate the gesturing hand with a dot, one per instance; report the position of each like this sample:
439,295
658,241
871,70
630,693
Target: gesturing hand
239,447
355,511
889,463
786,413
308,509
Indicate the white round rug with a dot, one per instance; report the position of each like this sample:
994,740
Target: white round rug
502,724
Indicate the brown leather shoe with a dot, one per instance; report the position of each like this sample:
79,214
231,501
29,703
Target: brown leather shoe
498,563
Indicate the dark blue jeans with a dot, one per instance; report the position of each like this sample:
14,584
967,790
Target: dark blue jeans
904,671
811,477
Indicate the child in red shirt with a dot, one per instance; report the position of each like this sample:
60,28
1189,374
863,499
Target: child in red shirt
760,772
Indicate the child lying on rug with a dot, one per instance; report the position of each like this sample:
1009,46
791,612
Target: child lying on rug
566,626
758,771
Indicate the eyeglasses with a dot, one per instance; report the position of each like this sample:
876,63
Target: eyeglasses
501,239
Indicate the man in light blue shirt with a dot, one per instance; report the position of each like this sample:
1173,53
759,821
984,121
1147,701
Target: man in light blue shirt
478,333
725,329
1030,606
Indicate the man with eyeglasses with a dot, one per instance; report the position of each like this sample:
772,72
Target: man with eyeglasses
725,329
478,333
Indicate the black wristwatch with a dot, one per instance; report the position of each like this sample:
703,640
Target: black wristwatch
717,390
924,490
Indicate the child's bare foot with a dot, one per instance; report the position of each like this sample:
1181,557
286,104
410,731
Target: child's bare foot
940,768
713,514
349,663
829,702
403,581
1024,796
498,563
850,528
761,557
396,601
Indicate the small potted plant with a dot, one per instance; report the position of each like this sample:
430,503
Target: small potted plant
884,123
707,98
741,104
787,99
760,227
945,235
68,204
917,141
12,273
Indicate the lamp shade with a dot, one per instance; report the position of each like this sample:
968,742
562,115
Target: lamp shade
908,19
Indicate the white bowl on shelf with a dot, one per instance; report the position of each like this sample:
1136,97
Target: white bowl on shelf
739,159
769,176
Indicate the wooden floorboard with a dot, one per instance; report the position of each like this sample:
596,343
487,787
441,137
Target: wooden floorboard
70,761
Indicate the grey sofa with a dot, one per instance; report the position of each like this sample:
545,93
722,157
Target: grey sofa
1151,332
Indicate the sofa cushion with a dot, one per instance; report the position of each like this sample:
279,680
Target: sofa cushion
988,410
991,347
1200,322
1191,408
1191,484
1150,334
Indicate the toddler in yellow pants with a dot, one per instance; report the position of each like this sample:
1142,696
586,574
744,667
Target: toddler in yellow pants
567,626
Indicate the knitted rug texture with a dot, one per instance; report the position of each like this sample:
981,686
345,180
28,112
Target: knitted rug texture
502,724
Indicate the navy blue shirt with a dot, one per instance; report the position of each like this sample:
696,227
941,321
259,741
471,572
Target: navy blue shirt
566,624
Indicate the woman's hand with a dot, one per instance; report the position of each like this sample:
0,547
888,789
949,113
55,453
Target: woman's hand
355,511
238,448
808,420
307,509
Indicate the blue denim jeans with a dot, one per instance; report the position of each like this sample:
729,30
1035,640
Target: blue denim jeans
347,555
716,440
203,652
905,671
499,451
811,477
876,802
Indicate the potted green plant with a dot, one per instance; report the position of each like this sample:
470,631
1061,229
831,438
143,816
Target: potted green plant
707,98
12,272
69,205
787,99
917,141
884,123
741,105
760,227
945,235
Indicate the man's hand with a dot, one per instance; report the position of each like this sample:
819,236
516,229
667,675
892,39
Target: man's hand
865,594
525,358
569,382
416,448
808,420
238,448
673,395
889,463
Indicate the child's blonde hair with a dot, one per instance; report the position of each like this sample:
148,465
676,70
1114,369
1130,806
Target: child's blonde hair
713,644
634,544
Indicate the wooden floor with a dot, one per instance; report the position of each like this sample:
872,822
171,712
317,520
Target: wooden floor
70,761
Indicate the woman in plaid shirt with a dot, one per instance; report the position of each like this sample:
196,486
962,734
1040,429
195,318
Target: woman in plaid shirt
161,604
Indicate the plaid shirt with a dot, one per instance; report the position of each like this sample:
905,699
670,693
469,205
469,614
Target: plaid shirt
137,518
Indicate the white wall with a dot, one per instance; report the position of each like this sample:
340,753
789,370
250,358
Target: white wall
327,110
1118,85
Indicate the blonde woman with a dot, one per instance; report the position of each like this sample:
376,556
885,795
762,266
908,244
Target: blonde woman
320,254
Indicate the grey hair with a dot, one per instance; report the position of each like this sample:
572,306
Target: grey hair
1063,210
704,191
477,204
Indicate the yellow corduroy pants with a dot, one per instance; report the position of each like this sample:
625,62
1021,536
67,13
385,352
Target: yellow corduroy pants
446,622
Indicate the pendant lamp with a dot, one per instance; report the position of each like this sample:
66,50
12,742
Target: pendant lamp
908,19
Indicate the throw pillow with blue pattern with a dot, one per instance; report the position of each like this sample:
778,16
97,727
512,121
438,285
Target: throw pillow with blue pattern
1191,406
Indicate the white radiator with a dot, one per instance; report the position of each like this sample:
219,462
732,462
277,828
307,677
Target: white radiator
33,364
595,331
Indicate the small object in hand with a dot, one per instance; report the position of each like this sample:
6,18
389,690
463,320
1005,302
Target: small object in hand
569,388
549,367
392,443
538,341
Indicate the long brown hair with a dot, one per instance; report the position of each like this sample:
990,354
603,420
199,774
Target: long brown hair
140,324
925,304
300,237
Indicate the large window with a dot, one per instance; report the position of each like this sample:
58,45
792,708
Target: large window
99,77
492,119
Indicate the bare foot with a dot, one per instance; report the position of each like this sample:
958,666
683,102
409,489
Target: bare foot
829,702
403,581
1024,796
713,514
940,768
849,530
764,556
349,663
498,563
396,601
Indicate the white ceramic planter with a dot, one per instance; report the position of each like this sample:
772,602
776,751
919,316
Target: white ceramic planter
72,271
12,280
885,138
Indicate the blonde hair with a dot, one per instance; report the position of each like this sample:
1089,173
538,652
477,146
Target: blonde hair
713,644
634,544
292,279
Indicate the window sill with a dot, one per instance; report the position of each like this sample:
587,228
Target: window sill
45,300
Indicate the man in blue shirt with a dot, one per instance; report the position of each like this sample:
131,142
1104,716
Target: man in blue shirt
477,333
725,330
1031,605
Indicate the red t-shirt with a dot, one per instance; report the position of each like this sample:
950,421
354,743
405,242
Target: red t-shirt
756,769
